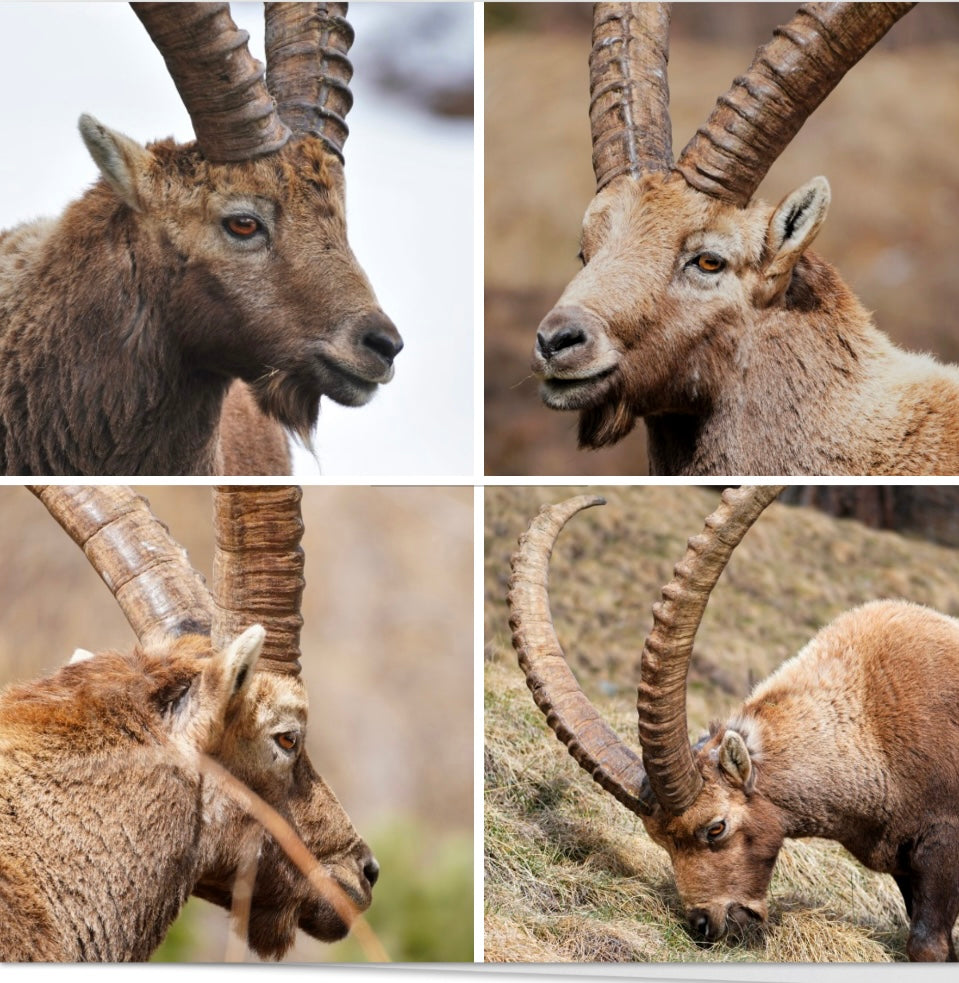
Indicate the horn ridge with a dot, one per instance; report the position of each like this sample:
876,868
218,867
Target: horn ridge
258,569
593,744
222,86
661,698
754,121
308,71
629,90
146,570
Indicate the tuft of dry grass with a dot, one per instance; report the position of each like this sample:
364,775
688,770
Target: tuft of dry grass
569,874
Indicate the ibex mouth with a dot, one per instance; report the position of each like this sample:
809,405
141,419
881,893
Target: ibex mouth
577,394
345,386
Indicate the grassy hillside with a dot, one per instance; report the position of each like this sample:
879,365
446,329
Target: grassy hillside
570,874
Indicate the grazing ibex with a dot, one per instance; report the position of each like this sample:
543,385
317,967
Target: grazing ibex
114,823
188,267
703,311
855,739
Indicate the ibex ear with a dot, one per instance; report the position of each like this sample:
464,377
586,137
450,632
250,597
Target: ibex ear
735,761
80,655
119,158
241,658
791,231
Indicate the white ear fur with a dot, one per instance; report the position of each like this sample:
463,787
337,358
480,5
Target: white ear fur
792,229
241,657
80,655
118,157
734,759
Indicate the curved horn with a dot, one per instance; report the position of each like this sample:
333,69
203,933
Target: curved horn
790,76
308,72
220,83
629,91
258,569
661,703
149,574
590,740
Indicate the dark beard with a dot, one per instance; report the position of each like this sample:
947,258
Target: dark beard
291,400
606,424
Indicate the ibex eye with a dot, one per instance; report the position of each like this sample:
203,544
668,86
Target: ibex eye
715,830
288,741
242,226
709,262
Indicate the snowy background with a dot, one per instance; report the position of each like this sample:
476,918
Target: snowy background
409,191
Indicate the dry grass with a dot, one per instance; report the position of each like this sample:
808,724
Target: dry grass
571,875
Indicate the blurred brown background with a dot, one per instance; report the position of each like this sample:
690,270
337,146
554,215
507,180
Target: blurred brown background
387,645
886,139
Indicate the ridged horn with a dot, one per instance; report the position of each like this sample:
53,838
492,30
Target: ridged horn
629,91
596,747
763,110
258,569
221,84
159,592
661,703
307,70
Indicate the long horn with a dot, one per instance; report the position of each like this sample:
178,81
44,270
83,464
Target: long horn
629,91
590,740
219,81
157,589
661,704
258,569
790,76
307,70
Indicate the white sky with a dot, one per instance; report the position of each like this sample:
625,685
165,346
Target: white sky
409,207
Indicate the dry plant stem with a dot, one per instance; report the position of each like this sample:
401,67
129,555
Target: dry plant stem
297,851
242,902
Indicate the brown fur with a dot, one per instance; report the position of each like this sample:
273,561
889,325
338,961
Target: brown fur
109,823
123,323
770,367
855,739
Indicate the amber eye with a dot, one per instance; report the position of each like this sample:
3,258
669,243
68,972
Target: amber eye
709,262
715,830
287,741
242,226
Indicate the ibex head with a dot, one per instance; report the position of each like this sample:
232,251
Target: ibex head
697,802
257,577
250,220
680,265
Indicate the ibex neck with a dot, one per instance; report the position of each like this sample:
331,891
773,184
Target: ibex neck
801,379
91,381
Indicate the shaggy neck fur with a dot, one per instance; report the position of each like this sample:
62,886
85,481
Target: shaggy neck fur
813,388
79,393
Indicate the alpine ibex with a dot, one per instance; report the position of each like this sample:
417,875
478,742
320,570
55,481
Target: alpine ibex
101,775
187,267
703,311
855,739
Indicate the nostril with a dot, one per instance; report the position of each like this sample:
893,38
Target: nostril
564,338
371,871
699,923
385,345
